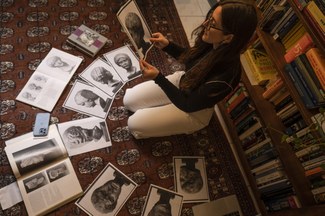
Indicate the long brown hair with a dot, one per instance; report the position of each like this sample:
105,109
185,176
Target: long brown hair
240,19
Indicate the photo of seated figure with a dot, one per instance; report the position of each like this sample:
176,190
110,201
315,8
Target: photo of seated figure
29,96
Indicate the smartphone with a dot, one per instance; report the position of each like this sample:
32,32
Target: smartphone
41,125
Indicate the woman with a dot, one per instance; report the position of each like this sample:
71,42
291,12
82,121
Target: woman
183,102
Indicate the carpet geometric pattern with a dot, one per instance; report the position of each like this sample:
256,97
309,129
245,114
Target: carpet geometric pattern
29,29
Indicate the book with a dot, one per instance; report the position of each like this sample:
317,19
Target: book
301,4
269,165
292,21
240,97
305,74
319,170
238,90
44,88
44,172
317,61
250,130
292,37
258,146
302,45
262,67
299,87
246,123
289,13
316,14
272,176
247,112
313,25
87,40
272,89
259,151
240,109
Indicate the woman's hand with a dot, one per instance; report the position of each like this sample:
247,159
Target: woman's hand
149,72
159,40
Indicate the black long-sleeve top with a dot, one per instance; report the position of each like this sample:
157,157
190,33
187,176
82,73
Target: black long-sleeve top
217,85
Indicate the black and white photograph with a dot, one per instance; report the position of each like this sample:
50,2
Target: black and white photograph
191,178
108,192
35,182
135,27
125,63
37,156
163,202
102,75
57,172
88,99
84,135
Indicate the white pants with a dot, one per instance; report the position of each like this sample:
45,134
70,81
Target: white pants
155,115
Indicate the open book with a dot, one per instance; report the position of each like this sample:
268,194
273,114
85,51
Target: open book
44,172
45,86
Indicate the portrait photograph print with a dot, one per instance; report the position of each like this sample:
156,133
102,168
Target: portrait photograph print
102,75
84,135
125,62
135,27
191,178
108,192
88,99
161,201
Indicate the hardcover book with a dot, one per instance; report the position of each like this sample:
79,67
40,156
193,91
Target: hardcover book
317,61
87,40
302,45
44,172
45,86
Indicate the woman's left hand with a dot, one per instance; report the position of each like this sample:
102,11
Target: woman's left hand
149,72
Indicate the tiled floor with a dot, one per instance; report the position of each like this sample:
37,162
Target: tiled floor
192,14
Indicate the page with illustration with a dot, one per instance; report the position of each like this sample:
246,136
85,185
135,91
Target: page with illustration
27,154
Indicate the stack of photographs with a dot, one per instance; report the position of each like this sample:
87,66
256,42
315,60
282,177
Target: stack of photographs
87,40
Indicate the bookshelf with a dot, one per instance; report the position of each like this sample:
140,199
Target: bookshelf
272,123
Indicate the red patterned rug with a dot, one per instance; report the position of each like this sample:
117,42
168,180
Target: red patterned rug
146,161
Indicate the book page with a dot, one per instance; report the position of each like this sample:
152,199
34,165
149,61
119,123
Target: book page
27,154
41,91
45,86
50,188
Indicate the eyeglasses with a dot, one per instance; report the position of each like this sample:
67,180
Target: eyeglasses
209,25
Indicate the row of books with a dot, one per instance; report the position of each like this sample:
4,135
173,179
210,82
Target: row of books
310,150
271,180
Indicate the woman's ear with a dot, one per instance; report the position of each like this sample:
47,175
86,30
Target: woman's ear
228,38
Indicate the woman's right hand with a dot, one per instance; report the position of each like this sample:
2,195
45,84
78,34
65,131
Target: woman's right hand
159,40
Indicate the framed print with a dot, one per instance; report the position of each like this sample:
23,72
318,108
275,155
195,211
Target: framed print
161,201
125,63
102,75
191,179
108,193
135,27
88,99
84,135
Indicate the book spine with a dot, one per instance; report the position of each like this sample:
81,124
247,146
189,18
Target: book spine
303,44
237,101
312,161
300,89
270,91
317,61
286,28
265,166
301,4
317,15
